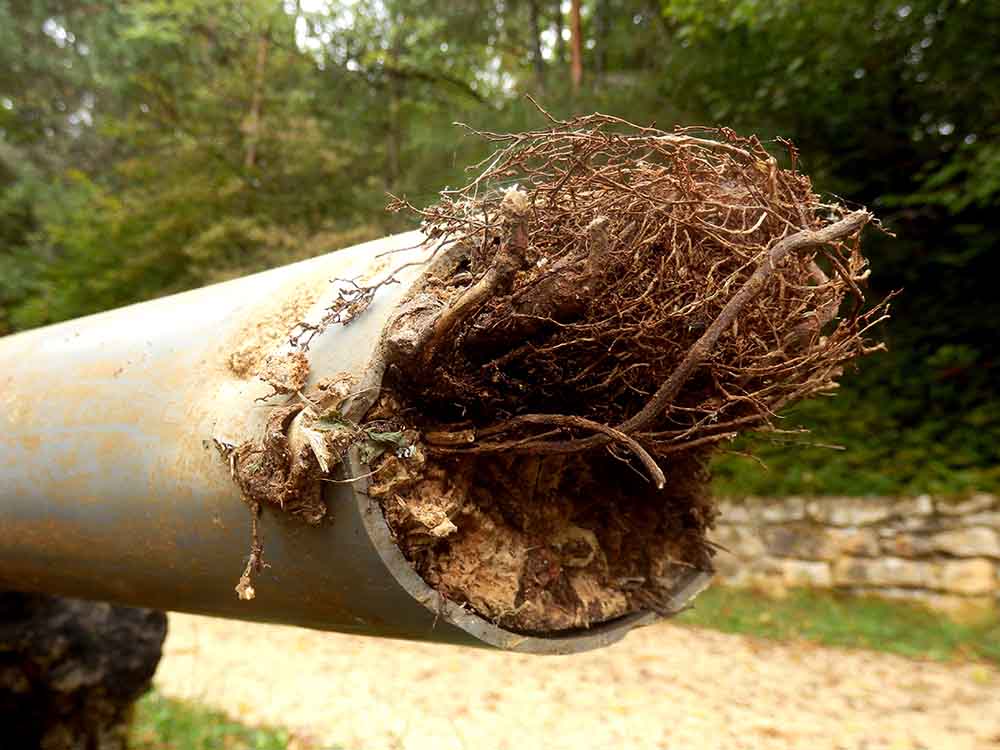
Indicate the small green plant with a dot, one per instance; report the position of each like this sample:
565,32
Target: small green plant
845,621
167,724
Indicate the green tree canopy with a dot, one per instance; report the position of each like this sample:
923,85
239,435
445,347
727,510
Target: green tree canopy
152,146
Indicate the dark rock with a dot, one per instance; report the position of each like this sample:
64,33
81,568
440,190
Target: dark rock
70,670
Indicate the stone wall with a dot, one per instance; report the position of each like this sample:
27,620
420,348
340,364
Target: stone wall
942,553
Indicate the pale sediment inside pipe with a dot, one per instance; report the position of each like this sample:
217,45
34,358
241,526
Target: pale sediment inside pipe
544,544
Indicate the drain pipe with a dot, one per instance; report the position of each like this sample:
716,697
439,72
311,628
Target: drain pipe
112,487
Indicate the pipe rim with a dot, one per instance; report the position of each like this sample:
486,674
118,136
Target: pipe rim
573,641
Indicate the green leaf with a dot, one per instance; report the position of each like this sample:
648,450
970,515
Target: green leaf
390,438
333,421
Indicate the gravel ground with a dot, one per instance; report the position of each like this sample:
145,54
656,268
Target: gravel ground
663,687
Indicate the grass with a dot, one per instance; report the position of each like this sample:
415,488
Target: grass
166,724
847,621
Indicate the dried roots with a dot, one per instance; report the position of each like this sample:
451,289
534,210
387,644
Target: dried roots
614,303
652,292
622,300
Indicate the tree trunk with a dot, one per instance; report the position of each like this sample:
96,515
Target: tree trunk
70,670
536,42
394,135
602,18
252,126
560,27
576,46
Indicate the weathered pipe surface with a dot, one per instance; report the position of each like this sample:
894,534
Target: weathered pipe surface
111,486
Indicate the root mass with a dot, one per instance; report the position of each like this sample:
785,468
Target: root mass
605,306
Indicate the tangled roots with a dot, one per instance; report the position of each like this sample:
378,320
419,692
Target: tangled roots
611,304
655,292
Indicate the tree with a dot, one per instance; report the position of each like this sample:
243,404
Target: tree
151,146
559,28
886,104
538,61
576,45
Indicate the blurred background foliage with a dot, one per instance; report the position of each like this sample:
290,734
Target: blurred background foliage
151,146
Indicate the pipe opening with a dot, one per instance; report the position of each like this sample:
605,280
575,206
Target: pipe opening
541,545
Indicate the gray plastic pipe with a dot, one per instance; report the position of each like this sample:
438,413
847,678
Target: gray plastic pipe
111,486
